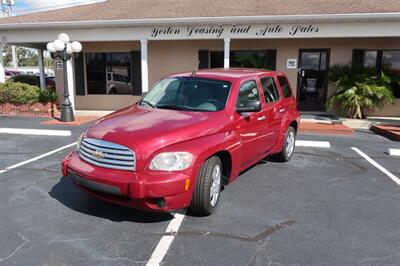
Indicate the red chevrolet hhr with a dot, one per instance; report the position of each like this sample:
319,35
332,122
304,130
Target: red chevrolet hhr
192,134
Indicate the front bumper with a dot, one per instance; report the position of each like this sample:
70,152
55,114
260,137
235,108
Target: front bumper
145,190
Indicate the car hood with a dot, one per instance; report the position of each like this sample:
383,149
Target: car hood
147,129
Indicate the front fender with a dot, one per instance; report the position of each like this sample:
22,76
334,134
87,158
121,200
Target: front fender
204,147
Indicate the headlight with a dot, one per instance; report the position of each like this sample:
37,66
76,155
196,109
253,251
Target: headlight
78,142
171,161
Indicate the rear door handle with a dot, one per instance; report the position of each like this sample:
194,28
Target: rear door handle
261,118
281,110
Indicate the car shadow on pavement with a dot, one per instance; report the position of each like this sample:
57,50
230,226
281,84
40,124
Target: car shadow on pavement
67,194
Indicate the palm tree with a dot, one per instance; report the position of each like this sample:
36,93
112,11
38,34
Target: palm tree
360,91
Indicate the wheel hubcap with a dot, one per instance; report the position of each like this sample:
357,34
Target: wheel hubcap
216,185
290,142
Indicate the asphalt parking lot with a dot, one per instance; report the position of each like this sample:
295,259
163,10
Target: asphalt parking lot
328,206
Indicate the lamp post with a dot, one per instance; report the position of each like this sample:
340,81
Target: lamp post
62,49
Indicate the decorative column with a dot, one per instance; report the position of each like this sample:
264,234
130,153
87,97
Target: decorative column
71,83
14,57
227,43
145,70
2,74
41,69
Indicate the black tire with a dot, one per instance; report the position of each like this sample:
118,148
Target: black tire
284,155
202,202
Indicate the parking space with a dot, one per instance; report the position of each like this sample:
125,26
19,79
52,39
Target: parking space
328,206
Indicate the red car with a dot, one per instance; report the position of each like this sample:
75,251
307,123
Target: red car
192,134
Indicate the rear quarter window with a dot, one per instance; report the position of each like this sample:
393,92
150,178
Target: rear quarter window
270,89
286,91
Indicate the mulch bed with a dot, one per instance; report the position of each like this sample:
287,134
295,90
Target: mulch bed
79,120
323,128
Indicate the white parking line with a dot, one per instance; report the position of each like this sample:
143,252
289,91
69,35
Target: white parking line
380,167
36,158
394,152
165,242
37,132
316,144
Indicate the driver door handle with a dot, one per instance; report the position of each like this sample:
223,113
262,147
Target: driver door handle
281,110
261,118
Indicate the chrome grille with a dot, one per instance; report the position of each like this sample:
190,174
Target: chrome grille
107,154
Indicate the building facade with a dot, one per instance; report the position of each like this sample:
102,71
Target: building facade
124,52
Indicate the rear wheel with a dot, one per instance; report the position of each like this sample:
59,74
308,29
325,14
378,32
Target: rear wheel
208,187
288,147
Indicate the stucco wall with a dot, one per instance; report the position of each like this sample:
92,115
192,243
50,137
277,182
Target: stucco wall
166,57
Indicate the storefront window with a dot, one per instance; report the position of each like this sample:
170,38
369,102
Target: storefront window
382,60
391,61
370,59
251,59
246,59
108,73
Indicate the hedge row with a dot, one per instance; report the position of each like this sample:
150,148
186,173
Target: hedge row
21,93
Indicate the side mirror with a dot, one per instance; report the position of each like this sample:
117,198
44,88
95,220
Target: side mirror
249,106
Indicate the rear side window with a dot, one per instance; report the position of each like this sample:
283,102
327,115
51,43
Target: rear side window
270,89
248,92
287,92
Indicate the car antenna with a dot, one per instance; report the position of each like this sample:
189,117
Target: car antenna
195,70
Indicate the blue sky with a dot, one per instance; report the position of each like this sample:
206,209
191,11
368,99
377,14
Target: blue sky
22,6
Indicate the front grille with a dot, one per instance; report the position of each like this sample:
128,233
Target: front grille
107,154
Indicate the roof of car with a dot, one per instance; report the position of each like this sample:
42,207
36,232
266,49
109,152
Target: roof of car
226,74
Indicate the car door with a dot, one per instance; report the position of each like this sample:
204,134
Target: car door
272,111
251,126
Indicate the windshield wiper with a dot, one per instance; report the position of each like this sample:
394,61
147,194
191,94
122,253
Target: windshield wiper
148,103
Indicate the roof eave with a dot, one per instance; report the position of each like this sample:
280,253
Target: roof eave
354,17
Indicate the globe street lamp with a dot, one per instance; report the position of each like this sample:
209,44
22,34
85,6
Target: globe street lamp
62,49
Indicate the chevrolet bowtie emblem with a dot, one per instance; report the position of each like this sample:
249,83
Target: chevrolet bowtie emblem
98,154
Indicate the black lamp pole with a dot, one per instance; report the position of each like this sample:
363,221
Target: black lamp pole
64,50
67,113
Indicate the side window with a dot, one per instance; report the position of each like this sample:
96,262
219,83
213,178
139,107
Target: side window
287,92
248,92
270,89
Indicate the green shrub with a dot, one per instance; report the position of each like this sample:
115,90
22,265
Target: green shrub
360,91
48,95
21,93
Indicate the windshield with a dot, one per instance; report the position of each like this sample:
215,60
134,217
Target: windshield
189,94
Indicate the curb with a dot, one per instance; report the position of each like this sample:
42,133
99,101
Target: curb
386,132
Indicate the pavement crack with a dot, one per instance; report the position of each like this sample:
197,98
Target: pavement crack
374,260
26,240
267,232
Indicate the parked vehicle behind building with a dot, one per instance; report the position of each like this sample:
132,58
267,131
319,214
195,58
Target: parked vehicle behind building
33,80
192,134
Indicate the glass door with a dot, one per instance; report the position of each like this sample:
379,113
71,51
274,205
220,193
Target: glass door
312,79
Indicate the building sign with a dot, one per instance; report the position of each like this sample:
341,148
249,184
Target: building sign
213,31
291,64
59,65
221,31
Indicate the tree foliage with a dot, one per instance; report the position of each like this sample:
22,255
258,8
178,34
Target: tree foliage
26,57
360,90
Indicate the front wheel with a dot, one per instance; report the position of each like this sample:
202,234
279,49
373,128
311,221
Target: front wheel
208,187
288,147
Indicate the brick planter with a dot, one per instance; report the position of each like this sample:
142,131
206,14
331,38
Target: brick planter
32,110
390,132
